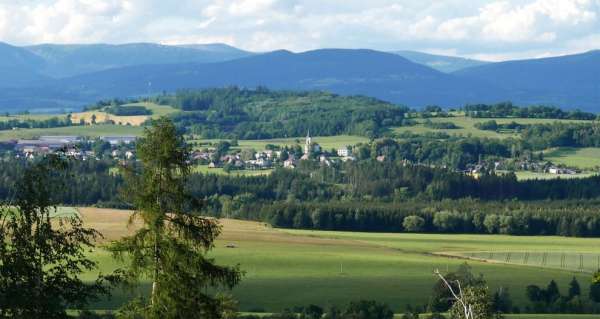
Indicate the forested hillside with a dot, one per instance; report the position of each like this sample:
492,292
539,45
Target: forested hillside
260,114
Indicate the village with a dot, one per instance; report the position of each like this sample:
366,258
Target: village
221,157
225,156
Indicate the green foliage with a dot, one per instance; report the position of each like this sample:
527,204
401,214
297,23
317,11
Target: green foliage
441,299
413,223
507,109
41,262
171,246
479,299
131,110
260,114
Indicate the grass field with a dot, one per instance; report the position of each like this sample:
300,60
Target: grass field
285,268
36,117
326,142
525,175
467,126
584,158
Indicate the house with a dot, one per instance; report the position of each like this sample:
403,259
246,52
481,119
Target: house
129,155
324,160
289,163
344,152
381,158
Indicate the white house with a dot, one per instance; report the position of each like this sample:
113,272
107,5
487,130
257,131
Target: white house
344,152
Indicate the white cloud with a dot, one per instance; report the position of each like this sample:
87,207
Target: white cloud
496,29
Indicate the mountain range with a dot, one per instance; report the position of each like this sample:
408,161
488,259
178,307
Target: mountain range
70,76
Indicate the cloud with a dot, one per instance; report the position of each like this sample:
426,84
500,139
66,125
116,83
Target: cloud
498,28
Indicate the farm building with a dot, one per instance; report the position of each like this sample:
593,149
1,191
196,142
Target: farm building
116,140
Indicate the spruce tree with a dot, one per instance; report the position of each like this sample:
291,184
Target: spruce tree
170,248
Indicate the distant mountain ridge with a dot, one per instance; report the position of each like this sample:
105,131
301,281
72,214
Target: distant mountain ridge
571,80
70,76
443,63
366,72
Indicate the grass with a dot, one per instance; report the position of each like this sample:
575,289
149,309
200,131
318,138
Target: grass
36,117
526,175
285,268
87,130
467,126
583,158
157,110
326,142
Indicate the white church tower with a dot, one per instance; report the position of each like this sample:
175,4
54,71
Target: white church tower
308,144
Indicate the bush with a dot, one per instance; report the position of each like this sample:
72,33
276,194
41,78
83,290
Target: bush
413,224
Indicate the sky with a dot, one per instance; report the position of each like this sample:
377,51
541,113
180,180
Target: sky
489,30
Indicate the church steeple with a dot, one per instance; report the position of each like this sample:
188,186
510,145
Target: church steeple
308,143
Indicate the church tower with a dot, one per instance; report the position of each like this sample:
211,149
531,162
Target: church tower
308,144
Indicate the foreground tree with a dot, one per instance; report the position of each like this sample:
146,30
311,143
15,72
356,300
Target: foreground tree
170,247
469,302
41,258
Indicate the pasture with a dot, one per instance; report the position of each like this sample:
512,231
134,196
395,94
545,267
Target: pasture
467,126
583,158
285,268
526,175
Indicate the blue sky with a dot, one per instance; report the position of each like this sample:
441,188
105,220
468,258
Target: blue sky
492,30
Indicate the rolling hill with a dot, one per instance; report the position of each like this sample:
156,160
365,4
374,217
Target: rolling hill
19,67
570,81
441,63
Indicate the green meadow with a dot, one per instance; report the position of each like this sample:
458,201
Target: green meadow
286,268
584,158
466,126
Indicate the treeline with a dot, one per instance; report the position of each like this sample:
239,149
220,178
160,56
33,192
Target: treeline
541,136
492,125
261,113
565,218
507,109
128,110
88,183
24,124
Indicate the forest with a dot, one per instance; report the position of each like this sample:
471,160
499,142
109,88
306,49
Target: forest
262,114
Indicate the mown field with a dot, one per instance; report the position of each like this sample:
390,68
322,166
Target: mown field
285,268
584,158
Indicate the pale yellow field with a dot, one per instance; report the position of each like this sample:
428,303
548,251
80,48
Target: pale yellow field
103,117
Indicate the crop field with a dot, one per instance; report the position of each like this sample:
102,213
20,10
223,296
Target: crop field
326,142
583,158
467,126
285,268
87,130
